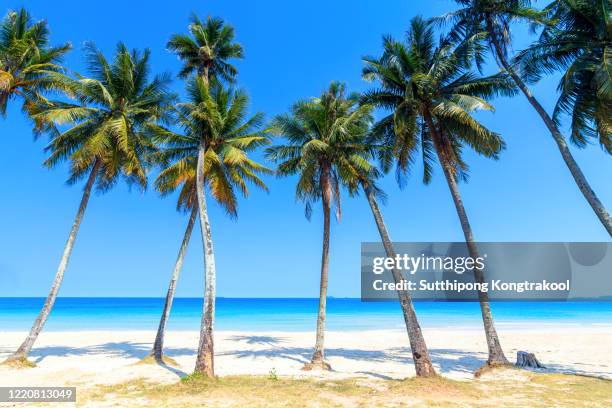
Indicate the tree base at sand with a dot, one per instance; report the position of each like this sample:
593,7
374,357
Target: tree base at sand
18,362
317,365
164,360
525,359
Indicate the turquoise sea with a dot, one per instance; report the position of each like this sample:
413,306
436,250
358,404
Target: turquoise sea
17,314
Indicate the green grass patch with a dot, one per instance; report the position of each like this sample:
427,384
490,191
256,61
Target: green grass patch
21,362
508,388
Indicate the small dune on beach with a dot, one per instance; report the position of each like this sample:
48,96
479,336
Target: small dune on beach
370,368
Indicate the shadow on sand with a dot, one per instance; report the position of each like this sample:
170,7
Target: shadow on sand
445,360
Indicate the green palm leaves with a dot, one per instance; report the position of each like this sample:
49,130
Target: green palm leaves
493,18
29,66
580,45
425,84
218,117
108,125
207,49
323,134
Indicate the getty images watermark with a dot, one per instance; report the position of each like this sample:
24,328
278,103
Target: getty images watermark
505,271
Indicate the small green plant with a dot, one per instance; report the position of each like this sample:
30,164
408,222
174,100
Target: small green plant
272,375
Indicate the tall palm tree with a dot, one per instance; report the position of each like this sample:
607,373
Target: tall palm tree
29,66
580,45
432,95
206,52
360,173
420,353
176,176
494,17
319,132
107,139
219,117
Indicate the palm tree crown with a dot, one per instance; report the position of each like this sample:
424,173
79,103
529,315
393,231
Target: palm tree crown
492,18
425,85
323,134
117,103
580,45
28,64
207,49
219,117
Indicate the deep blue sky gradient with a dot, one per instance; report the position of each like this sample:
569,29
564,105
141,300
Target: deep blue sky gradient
128,240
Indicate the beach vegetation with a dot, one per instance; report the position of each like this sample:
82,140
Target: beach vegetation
512,388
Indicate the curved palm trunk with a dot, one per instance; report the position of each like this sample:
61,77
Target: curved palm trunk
579,178
496,353
25,348
205,363
318,357
420,354
158,346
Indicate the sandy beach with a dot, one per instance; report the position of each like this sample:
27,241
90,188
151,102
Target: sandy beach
88,358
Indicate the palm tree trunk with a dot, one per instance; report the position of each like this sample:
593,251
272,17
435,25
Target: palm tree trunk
205,363
579,178
25,348
496,353
420,354
318,357
158,346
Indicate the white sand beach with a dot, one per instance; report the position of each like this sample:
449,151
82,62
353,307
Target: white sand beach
89,358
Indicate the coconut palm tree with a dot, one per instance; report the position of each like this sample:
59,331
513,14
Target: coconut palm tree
494,17
207,49
432,95
360,173
206,52
318,133
420,353
29,66
105,140
169,180
580,45
218,116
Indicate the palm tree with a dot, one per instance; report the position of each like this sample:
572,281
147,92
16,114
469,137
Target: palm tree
494,18
420,354
173,177
206,52
579,43
319,133
361,173
432,95
28,64
219,117
107,140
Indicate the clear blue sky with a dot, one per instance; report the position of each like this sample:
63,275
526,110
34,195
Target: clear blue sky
128,241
